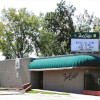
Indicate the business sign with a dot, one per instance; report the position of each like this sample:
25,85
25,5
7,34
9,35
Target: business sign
84,41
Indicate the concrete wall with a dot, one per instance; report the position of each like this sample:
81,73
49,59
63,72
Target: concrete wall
24,71
8,73
58,81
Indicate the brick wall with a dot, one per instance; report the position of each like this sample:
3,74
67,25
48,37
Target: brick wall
8,73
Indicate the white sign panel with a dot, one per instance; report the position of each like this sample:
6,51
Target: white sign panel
17,66
17,63
84,45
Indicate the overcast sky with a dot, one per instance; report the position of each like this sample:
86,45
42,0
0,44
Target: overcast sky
44,6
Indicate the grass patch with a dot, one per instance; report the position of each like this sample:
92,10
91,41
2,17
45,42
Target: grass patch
64,94
33,91
48,93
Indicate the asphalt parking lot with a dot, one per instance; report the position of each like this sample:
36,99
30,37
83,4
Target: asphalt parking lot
13,95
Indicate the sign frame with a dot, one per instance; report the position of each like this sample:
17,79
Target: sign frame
85,42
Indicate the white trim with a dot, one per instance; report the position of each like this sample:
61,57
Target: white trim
62,68
47,69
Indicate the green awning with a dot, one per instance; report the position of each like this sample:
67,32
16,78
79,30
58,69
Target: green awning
66,61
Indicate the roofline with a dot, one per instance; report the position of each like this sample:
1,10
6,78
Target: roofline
54,56
76,54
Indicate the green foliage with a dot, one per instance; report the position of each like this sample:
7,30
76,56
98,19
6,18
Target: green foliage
5,40
20,32
85,22
96,24
64,94
45,92
46,44
33,91
58,25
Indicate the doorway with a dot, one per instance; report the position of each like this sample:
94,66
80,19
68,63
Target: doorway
37,79
91,81
88,82
40,79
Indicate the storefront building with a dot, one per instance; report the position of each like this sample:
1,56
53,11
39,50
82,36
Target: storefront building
71,73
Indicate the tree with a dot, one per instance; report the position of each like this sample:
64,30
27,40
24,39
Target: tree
85,22
20,32
6,41
46,44
96,22
60,25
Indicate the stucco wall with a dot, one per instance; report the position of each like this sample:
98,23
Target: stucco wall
8,73
55,80
24,72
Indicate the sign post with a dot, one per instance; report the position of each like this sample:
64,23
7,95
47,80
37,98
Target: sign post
85,42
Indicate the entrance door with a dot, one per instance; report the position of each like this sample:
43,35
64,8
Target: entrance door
88,82
41,80
92,81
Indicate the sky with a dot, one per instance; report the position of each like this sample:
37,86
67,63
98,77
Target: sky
37,6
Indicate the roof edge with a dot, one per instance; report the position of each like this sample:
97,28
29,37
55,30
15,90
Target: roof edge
76,54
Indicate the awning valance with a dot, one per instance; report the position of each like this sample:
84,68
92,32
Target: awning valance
66,61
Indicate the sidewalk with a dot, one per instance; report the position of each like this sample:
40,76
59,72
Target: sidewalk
10,91
11,95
